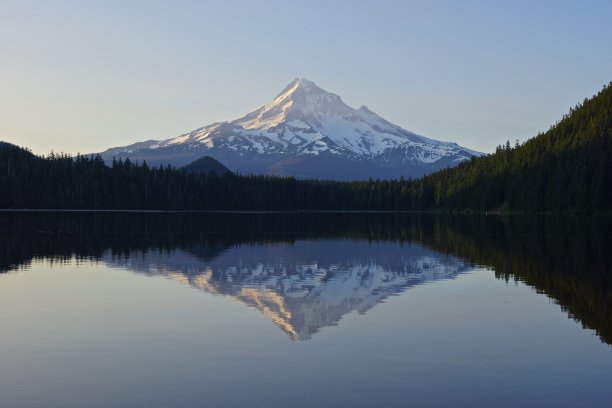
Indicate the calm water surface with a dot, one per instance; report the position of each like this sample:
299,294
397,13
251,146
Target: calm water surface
310,310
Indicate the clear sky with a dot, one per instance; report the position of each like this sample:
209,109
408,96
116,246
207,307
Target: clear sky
82,76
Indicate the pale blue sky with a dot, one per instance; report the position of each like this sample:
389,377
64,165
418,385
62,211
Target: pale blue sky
83,76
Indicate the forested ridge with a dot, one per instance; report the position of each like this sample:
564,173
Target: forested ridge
565,169
86,182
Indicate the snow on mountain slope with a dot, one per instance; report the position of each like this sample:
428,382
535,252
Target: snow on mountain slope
305,129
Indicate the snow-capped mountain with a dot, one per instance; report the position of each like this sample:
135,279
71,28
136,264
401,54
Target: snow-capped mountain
308,133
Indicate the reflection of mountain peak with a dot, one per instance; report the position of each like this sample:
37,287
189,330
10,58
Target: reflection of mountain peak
308,285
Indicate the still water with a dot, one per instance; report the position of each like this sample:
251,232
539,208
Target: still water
304,310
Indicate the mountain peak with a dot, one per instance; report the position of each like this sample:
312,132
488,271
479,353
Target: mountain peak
308,132
303,82
297,85
301,100
299,89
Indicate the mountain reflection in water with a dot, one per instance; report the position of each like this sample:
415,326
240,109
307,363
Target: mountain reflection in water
307,271
306,285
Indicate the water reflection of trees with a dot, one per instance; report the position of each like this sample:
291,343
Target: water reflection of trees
568,259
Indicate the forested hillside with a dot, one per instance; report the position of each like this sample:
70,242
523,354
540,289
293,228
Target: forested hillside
566,169
86,182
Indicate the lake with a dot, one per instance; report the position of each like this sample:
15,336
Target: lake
304,310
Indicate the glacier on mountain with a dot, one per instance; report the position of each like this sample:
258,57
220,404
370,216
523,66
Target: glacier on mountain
308,133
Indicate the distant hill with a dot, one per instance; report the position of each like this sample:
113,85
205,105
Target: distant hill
207,164
567,168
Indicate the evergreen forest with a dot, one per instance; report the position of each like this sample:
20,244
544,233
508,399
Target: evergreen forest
565,169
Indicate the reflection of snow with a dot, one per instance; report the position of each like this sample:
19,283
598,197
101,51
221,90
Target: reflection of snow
305,286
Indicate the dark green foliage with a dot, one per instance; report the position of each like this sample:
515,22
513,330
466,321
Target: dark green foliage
207,164
86,182
568,168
